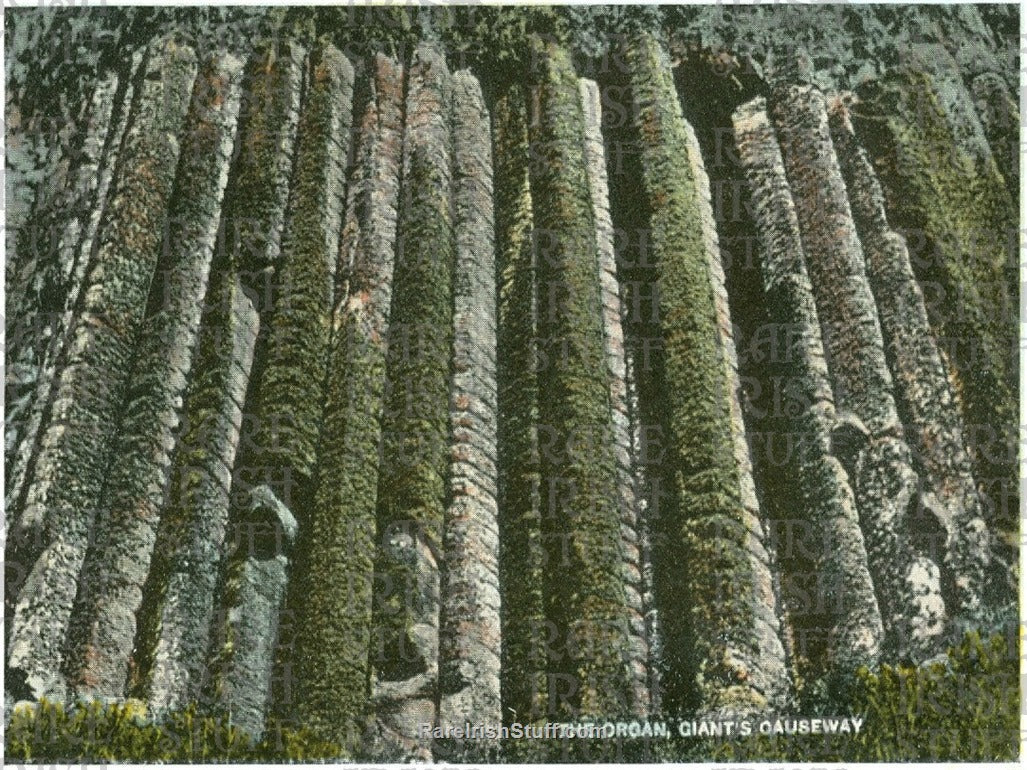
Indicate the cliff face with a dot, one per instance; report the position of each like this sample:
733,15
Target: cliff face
370,389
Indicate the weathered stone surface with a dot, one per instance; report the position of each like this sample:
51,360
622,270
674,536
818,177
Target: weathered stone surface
179,602
286,396
62,501
41,329
923,393
772,677
586,605
855,633
884,481
943,191
1000,119
730,674
104,624
336,574
255,207
520,536
415,452
469,663
613,336
255,590
404,703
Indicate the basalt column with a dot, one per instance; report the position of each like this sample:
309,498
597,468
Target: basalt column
923,392
469,654
772,678
38,335
721,640
844,597
520,536
868,436
334,621
274,477
110,593
957,217
415,426
179,599
586,605
616,372
72,463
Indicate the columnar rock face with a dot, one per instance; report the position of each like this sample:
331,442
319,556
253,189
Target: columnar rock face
951,202
868,434
331,688
616,365
54,526
175,632
520,515
252,610
285,437
119,558
276,474
923,393
772,653
739,658
415,452
469,654
587,613
854,628
180,601
372,397
37,343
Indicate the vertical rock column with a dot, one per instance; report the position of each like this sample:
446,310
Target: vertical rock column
25,422
72,464
178,606
772,653
717,620
616,366
179,601
868,437
276,474
581,522
469,655
957,219
334,628
923,393
855,631
104,624
520,535
253,615
415,459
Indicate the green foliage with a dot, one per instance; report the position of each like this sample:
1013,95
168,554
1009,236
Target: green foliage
963,709
98,732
